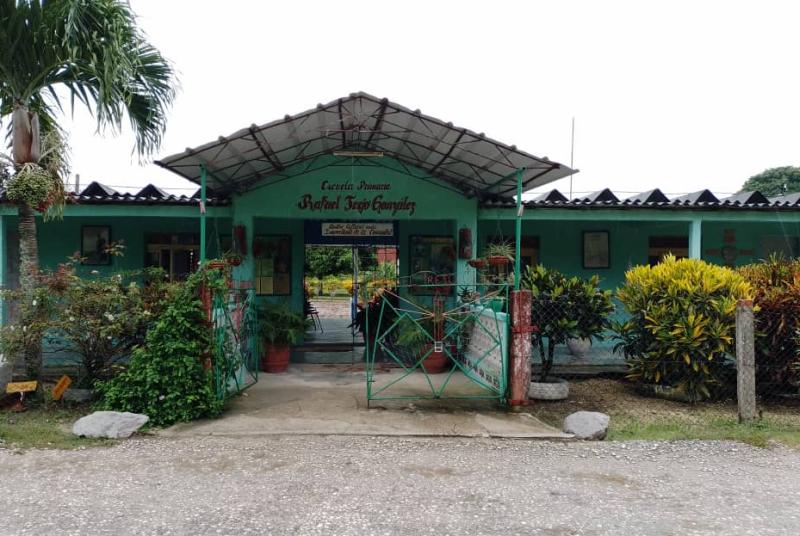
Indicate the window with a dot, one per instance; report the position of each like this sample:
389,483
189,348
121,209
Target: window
783,245
663,245
273,265
176,254
95,241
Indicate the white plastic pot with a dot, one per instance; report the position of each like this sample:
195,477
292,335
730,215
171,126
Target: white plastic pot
553,389
579,347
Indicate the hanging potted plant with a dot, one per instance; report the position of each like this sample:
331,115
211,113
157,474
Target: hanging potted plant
478,264
232,258
499,253
279,328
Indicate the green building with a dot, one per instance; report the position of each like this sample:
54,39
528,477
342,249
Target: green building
367,172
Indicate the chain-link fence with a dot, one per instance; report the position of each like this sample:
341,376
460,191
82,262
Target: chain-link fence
694,377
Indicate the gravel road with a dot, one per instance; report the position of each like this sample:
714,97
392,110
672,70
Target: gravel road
366,485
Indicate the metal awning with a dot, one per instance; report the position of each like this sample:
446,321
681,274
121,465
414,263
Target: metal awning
363,127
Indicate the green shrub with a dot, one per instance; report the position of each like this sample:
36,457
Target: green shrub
564,308
776,283
166,379
682,324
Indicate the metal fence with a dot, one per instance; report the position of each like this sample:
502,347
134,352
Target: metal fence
755,377
235,362
437,341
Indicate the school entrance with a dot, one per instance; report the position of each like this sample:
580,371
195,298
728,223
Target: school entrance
372,176
345,263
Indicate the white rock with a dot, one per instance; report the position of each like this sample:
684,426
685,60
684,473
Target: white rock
587,424
110,424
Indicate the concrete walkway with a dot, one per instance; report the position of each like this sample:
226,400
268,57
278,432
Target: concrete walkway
331,400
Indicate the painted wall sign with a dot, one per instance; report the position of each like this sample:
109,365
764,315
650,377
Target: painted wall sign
357,229
359,197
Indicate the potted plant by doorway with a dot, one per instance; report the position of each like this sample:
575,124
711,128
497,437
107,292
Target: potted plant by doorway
279,327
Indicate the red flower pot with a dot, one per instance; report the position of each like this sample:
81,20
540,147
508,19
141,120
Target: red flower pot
477,263
275,358
498,261
436,362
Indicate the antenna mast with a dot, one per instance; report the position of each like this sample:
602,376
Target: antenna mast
572,155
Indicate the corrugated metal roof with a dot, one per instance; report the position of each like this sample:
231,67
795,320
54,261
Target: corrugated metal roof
653,199
471,162
100,194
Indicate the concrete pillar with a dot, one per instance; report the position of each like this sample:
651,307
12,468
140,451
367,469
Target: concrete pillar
745,361
695,239
244,273
465,275
519,358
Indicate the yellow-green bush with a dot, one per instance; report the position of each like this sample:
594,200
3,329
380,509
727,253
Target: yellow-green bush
682,324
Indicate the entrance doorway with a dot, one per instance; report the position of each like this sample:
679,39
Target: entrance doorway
338,280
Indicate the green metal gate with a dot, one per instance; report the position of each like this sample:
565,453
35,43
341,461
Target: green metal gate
236,344
434,341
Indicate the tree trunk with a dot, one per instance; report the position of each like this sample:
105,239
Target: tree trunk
29,269
25,143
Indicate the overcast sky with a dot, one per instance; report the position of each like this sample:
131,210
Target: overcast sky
676,95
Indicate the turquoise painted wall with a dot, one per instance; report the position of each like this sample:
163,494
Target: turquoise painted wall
60,239
334,189
561,243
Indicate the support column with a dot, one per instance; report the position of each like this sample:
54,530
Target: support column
695,239
245,272
745,362
465,275
519,358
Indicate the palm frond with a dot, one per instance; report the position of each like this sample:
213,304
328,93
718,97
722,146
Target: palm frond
95,50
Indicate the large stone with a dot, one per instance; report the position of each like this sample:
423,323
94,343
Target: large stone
587,424
109,424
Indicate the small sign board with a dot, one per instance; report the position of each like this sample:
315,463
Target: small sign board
357,229
21,387
61,386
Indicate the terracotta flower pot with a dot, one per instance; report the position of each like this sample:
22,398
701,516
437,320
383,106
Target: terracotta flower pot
436,362
275,358
498,261
477,263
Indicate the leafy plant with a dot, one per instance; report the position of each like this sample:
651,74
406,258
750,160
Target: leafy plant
776,284
279,325
682,324
166,379
92,52
101,319
499,249
564,308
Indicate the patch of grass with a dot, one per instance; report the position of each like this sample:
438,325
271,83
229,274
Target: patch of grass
634,416
758,434
44,427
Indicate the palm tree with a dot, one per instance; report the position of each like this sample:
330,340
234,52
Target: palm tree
89,51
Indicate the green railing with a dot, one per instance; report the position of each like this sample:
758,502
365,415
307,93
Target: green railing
451,343
236,344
